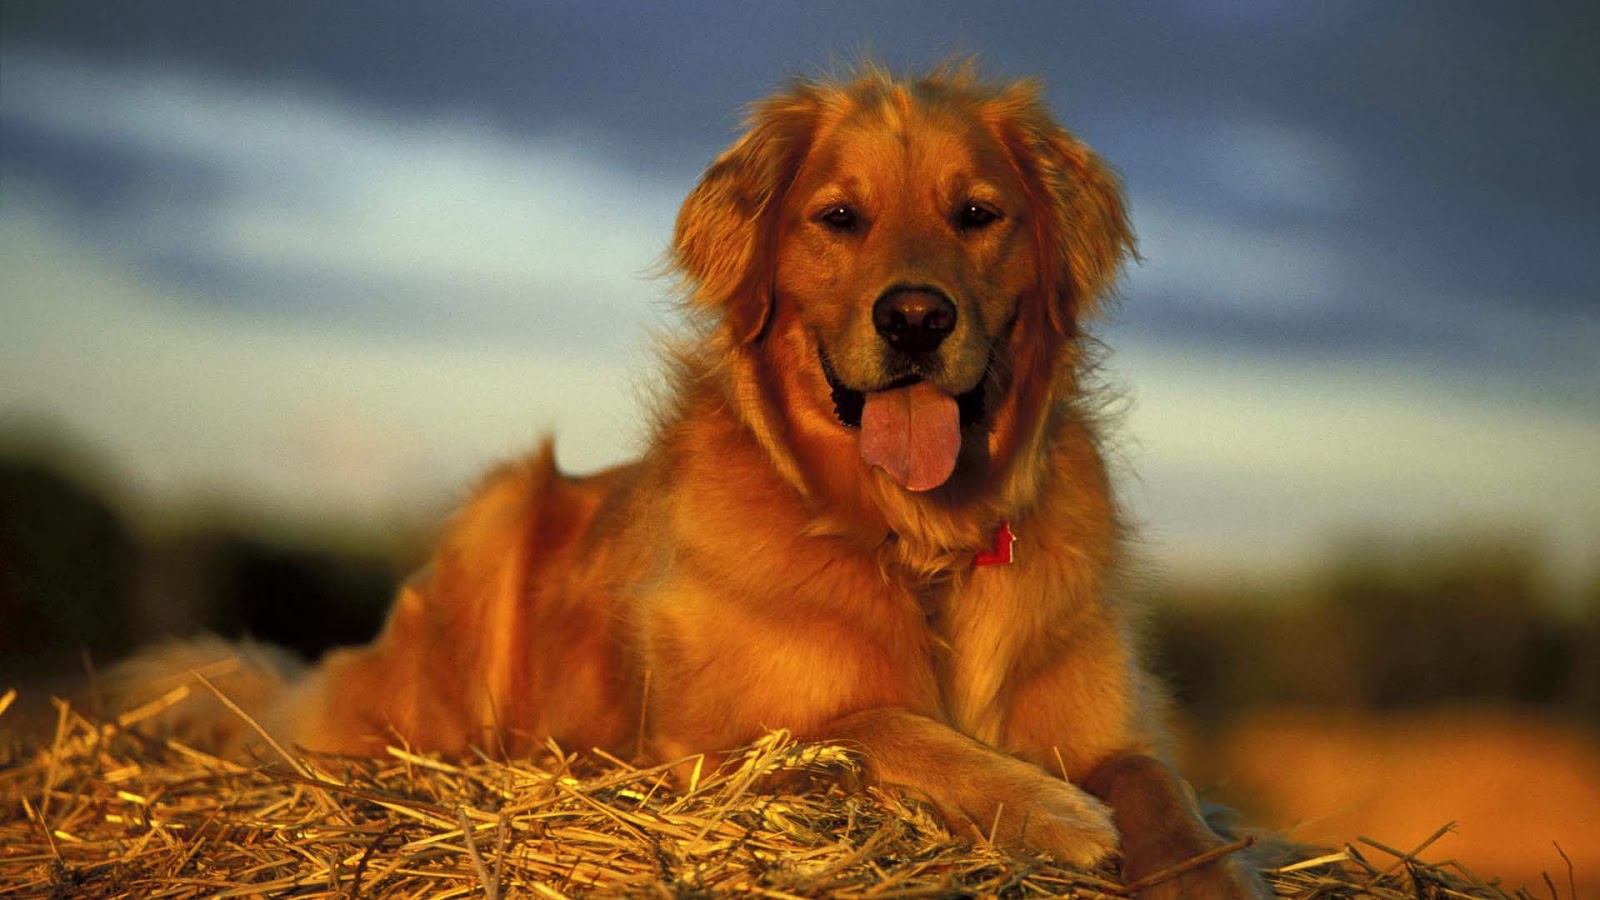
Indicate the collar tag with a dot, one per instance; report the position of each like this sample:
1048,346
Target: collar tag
1000,553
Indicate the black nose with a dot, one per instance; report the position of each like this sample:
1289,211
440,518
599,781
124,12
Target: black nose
914,320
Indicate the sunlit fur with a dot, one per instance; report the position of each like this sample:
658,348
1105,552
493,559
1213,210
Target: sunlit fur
751,572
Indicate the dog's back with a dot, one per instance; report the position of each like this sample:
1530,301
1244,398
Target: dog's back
460,661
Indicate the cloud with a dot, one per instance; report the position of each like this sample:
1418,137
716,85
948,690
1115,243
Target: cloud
1275,167
311,304
287,416
1261,458
449,220
1247,219
1260,270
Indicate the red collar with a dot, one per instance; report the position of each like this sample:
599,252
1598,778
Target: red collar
1000,553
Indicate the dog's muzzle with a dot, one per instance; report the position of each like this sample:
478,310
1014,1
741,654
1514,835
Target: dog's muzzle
849,402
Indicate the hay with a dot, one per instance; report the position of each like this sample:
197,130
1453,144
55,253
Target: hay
104,812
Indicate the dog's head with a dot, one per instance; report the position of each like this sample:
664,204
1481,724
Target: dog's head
907,262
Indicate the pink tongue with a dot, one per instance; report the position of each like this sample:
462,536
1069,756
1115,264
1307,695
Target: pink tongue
913,433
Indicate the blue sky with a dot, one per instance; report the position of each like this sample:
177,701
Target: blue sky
332,259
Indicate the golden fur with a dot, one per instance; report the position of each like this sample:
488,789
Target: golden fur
751,571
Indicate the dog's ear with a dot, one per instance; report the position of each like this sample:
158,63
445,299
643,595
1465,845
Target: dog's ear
1083,229
726,232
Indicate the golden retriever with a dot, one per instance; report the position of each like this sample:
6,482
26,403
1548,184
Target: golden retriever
873,510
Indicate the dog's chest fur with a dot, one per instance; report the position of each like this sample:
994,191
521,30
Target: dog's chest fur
971,655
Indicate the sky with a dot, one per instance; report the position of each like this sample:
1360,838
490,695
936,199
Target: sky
331,260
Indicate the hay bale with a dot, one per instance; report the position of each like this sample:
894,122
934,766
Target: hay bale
103,811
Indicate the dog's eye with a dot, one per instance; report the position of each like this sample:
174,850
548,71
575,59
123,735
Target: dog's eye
841,217
974,216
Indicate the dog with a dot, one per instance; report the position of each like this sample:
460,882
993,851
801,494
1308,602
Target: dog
874,508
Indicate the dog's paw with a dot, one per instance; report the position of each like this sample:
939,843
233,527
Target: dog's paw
1057,818
1078,833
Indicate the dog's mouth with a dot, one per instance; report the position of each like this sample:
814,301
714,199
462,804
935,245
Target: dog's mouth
909,427
849,403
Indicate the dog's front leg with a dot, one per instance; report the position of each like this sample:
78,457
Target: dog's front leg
1162,828
977,788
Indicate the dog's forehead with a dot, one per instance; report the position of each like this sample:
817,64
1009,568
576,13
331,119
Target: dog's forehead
883,143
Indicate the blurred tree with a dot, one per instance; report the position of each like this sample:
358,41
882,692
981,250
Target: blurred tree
1442,624
1386,626
66,566
305,598
1586,677
297,589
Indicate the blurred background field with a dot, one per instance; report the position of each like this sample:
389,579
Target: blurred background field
1397,688
276,282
